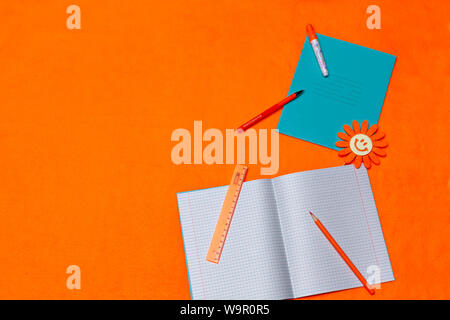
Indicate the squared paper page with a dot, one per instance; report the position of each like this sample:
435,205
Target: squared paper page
342,199
354,90
253,263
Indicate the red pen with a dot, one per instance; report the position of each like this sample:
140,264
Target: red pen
269,111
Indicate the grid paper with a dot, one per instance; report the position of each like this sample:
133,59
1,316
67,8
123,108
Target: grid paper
253,263
341,198
273,249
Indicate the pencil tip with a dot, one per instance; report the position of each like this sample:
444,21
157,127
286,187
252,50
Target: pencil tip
313,216
298,93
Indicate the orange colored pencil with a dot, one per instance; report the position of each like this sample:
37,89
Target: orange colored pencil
342,254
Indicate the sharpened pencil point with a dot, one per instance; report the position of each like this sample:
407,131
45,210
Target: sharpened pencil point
299,93
313,216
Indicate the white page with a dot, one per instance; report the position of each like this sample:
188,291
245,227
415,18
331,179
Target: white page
253,263
342,199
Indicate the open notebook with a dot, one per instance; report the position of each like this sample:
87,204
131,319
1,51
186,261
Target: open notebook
273,249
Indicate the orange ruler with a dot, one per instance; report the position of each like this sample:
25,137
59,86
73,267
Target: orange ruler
228,207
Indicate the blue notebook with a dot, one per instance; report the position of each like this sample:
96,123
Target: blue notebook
354,90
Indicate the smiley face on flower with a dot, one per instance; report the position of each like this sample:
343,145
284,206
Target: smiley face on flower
361,144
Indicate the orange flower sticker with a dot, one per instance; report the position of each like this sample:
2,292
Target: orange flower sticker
361,144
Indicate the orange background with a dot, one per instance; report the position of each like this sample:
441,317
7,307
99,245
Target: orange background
86,118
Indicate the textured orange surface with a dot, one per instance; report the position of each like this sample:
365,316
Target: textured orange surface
86,118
